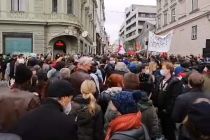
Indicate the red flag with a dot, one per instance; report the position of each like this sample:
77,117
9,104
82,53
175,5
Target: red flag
138,46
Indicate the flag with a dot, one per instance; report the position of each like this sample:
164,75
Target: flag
138,46
121,49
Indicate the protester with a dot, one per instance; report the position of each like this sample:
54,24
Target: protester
48,121
149,114
131,82
169,88
146,79
184,102
115,84
123,118
197,121
82,72
207,78
65,74
88,114
15,102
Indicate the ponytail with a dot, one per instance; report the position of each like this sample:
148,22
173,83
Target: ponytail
88,88
92,104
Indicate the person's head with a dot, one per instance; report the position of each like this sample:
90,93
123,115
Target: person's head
65,73
94,67
85,63
131,81
120,66
167,69
62,91
115,80
124,103
152,66
22,77
196,80
145,69
197,121
88,89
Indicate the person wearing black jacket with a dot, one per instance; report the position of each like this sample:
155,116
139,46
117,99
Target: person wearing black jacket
169,88
49,122
185,101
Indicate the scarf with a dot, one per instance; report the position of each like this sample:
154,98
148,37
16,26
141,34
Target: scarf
124,123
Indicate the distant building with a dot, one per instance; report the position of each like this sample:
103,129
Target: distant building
143,38
135,17
49,26
190,21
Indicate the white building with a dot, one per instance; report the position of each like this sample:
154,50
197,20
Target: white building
43,26
101,35
190,21
135,17
142,39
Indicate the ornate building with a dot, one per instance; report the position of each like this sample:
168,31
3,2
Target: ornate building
48,26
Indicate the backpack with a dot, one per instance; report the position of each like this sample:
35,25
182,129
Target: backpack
135,134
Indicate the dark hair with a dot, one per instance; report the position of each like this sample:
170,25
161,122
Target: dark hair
23,74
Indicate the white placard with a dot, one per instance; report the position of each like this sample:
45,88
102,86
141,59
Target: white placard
159,43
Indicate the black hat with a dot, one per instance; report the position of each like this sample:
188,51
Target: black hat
22,74
60,88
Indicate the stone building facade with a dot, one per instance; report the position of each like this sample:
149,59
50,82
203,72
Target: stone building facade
190,22
48,26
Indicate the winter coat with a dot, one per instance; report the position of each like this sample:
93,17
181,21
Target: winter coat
167,96
77,78
135,134
48,122
89,127
14,104
184,102
7,136
150,118
207,82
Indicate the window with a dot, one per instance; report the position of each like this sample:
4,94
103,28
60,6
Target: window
173,15
194,32
159,4
18,5
70,6
159,21
194,5
165,18
54,6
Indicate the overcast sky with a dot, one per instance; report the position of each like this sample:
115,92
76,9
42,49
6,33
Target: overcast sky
115,14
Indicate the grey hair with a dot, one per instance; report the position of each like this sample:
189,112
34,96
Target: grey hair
85,60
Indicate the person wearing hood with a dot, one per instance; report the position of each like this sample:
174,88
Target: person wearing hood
149,114
123,120
87,113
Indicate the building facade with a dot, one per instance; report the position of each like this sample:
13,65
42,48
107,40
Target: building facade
48,26
135,17
190,22
143,38
101,35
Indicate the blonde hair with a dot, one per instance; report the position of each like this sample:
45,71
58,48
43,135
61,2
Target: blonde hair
152,67
88,88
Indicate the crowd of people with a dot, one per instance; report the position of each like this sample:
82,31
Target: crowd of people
109,97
